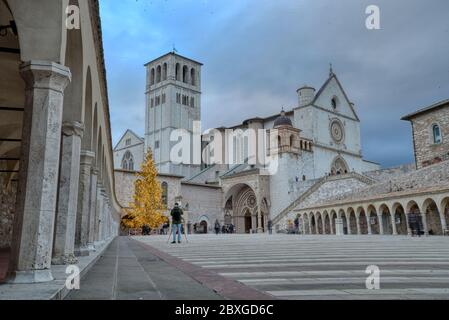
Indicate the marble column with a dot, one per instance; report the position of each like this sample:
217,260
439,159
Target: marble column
424,223
380,222
64,242
357,221
368,222
92,208
348,223
98,211
82,216
393,224
38,178
409,230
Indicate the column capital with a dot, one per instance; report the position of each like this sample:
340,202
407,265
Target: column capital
73,128
87,157
45,75
95,171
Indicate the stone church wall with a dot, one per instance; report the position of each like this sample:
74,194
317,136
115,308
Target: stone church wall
425,149
203,202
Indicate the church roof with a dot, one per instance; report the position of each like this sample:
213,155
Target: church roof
282,120
173,54
426,109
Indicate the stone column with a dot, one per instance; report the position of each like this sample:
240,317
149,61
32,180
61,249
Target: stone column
357,221
310,226
348,223
82,216
323,225
409,231
381,223
63,249
368,222
98,211
424,223
393,224
92,208
440,209
38,179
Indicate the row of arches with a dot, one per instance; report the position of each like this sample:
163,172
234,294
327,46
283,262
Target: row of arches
51,81
181,73
387,218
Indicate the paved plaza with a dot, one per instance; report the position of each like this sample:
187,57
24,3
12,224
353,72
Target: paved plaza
319,267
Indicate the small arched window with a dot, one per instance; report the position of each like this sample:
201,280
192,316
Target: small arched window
185,74
279,141
192,77
334,103
128,161
291,140
436,133
164,198
152,76
164,72
178,72
158,74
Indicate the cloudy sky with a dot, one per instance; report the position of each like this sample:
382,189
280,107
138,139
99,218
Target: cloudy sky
256,53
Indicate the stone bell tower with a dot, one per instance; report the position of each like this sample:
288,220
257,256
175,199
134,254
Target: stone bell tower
173,101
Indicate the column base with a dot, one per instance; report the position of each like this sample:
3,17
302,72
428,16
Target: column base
64,259
33,276
82,251
91,247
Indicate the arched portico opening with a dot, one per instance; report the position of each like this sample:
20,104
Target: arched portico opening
363,221
400,219
415,219
319,223
12,102
327,223
373,220
313,224
345,224
248,221
386,219
433,218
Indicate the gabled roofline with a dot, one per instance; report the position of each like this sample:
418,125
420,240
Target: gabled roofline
123,135
332,76
436,105
173,54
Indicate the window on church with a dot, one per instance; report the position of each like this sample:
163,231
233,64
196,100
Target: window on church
193,77
178,72
164,197
178,98
152,77
192,102
152,103
334,102
164,72
436,134
163,98
128,161
158,74
128,142
156,144
185,74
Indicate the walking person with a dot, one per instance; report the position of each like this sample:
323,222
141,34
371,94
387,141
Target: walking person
270,227
217,227
176,220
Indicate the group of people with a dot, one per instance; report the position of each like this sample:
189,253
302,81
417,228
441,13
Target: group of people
226,228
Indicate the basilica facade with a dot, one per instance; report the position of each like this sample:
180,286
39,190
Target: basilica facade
319,137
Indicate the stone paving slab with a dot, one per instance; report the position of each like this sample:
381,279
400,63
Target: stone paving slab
129,271
321,267
53,290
